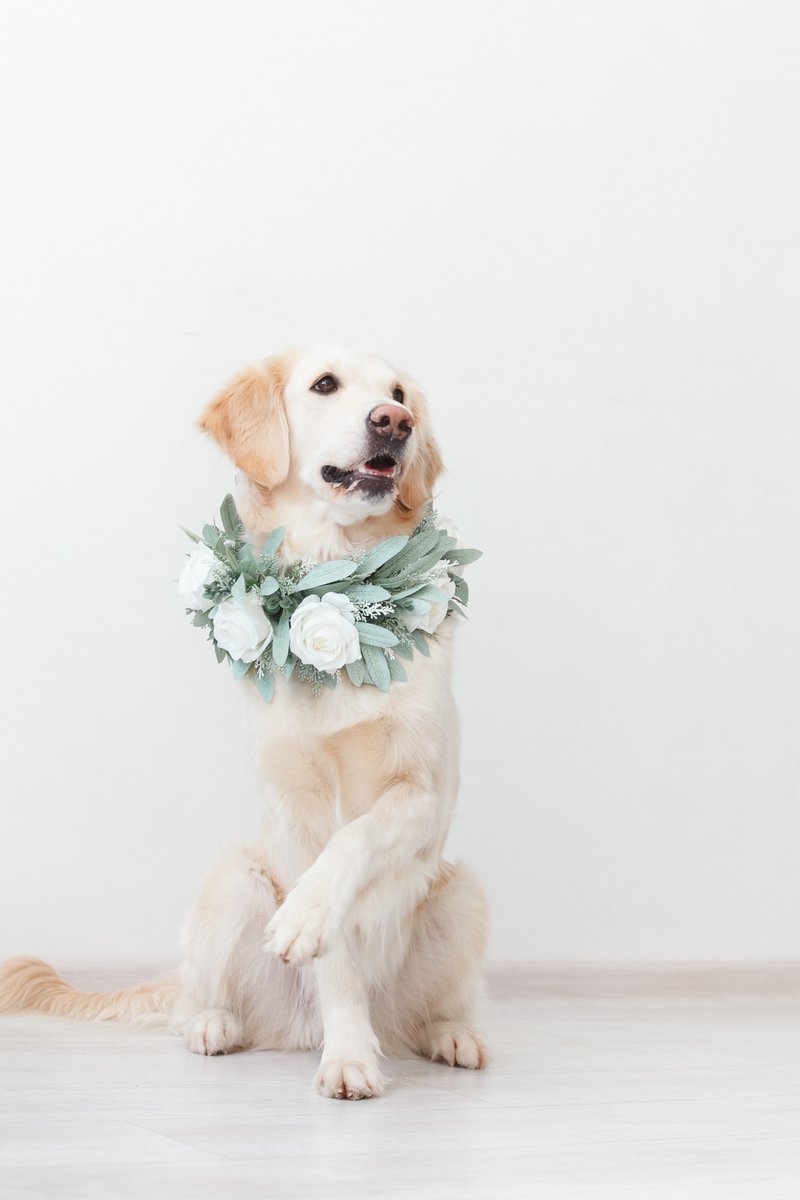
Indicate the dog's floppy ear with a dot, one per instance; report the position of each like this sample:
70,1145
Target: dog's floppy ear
248,420
419,479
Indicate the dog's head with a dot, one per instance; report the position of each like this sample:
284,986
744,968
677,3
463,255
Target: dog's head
348,427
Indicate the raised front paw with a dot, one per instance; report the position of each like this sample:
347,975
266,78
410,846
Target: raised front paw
303,928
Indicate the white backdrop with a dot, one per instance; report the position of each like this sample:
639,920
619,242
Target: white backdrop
576,223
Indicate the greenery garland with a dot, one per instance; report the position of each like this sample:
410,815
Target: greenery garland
359,614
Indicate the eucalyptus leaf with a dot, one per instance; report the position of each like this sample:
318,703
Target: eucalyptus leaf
327,572
273,542
239,668
381,554
463,557
375,662
433,593
220,653
396,671
367,593
268,586
413,605
462,588
356,672
280,640
239,589
246,558
419,545
229,515
421,642
375,635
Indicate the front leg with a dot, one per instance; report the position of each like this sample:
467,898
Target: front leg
349,1067
402,822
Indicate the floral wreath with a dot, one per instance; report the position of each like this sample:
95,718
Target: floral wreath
360,613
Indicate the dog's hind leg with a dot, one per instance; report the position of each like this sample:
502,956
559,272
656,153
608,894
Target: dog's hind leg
235,996
429,1008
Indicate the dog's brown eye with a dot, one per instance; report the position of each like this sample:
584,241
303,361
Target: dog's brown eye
325,385
399,395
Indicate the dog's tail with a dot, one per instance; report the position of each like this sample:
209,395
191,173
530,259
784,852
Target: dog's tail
30,985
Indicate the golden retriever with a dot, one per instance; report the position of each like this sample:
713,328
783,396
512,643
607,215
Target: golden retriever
343,927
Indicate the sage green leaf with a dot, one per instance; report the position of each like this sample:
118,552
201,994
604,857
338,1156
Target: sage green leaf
409,591
375,635
419,545
231,520
356,672
268,586
289,666
341,585
326,679
266,685
220,653
327,572
367,593
404,650
280,640
432,593
375,662
188,532
273,542
239,668
463,557
416,567
413,605
200,619
246,558
239,589
381,554
457,609
397,671
421,642
211,534
462,588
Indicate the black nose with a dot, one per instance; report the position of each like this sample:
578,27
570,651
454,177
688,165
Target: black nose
390,421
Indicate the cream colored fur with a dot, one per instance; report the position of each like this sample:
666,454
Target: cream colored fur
343,927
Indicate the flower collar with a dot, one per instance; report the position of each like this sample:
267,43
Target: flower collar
359,614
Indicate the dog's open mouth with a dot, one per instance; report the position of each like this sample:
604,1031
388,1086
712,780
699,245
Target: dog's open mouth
376,476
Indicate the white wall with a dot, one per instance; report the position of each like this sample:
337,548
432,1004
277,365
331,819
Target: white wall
577,224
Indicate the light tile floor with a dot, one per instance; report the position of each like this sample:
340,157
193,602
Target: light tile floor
604,1083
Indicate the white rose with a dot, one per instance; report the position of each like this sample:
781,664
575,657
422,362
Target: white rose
430,621
242,627
199,571
322,633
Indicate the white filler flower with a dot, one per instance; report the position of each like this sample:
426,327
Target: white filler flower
322,633
242,627
199,571
430,621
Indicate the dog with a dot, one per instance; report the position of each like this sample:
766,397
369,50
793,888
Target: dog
342,929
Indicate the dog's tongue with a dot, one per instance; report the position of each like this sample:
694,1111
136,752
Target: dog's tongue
382,464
